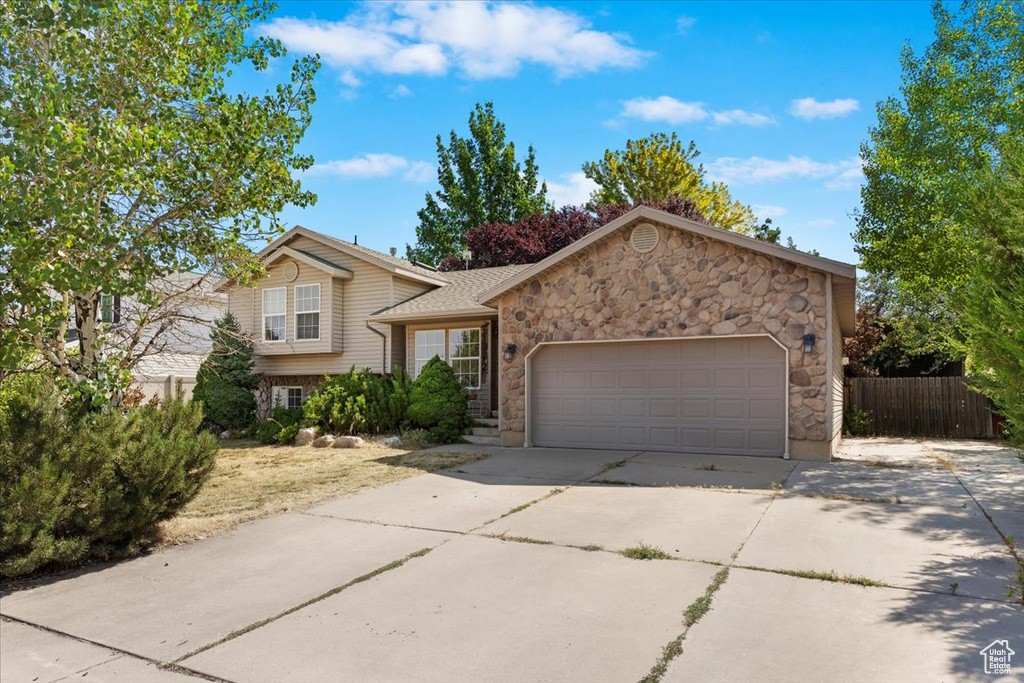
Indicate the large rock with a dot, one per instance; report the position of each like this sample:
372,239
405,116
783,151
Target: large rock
348,442
391,441
325,441
305,437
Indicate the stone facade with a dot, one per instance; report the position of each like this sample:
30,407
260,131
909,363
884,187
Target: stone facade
687,286
265,391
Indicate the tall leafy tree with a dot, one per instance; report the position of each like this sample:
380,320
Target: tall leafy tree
125,157
934,144
481,182
654,168
226,380
993,298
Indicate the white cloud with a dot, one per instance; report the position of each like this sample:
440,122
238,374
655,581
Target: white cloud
837,175
374,166
809,108
477,40
420,172
741,117
400,91
350,79
763,211
822,223
664,108
575,190
684,24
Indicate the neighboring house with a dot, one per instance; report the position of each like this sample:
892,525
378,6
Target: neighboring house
189,306
652,333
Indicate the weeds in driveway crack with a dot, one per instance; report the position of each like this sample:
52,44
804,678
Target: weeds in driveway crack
697,609
520,508
504,536
323,596
831,576
614,482
642,551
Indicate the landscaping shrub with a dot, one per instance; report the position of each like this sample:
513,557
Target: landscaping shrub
856,422
77,485
438,403
226,381
281,427
359,402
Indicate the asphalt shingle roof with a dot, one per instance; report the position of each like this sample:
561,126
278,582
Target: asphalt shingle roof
459,295
388,258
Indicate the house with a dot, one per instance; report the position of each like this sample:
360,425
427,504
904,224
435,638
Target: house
652,333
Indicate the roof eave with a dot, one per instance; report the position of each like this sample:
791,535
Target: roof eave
408,318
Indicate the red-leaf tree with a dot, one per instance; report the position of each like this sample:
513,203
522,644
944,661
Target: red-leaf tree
542,234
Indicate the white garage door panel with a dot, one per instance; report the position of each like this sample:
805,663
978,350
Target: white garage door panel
705,395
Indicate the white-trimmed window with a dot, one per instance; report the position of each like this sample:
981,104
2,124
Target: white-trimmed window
429,343
464,355
108,308
307,311
275,313
287,397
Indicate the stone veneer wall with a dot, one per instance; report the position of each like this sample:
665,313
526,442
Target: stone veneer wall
265,393
687,286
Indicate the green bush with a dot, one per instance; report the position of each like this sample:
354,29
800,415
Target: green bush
438,403
281,427
226,381
359,402
856,422
77,485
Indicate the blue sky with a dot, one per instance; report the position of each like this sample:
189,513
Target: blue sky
777,96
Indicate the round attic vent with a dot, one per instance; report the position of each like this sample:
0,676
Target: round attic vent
644,238
290,271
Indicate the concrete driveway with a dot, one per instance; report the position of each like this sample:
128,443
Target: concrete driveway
889,564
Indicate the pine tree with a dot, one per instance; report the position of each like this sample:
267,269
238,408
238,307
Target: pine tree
226,381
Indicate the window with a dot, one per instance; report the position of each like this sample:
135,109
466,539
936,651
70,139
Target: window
275,304
429,343
108,308
288,397
464,356
307,311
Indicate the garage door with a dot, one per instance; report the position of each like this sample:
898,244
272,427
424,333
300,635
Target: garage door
700,395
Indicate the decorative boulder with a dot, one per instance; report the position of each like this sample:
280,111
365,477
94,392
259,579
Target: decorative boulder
226,434
325,441
391,441
348,442
304,437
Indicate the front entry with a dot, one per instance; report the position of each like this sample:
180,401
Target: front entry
720,395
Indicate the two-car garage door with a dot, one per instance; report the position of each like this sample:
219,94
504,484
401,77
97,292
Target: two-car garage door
724,395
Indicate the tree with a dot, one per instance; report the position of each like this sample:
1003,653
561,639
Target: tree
226,381
438,403
481,182
993,298
932,146
542,234
125,158
652,169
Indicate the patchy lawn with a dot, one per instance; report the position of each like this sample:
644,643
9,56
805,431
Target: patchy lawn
251,480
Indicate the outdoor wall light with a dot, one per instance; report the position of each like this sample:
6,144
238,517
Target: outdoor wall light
809,340
510,351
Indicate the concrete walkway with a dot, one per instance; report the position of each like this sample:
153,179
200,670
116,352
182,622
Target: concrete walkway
891,563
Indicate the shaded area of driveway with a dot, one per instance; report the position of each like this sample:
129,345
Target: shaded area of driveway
891,563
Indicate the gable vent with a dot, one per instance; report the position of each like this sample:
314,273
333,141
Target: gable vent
644,238
290,271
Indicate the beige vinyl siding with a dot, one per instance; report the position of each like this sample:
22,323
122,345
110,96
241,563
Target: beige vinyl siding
836,385
302,364
337,319
403,289
399,347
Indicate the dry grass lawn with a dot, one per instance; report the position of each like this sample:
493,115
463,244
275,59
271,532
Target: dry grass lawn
251,480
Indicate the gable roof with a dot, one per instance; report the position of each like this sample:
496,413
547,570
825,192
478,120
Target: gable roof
456,299
305,257
392,264
844,282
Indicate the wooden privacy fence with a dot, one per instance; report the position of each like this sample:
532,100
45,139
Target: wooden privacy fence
920,406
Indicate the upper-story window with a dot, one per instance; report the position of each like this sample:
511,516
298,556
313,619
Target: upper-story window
275,313
108,308
307,311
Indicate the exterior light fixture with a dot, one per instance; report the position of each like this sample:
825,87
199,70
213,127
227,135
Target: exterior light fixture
809,340
510,351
